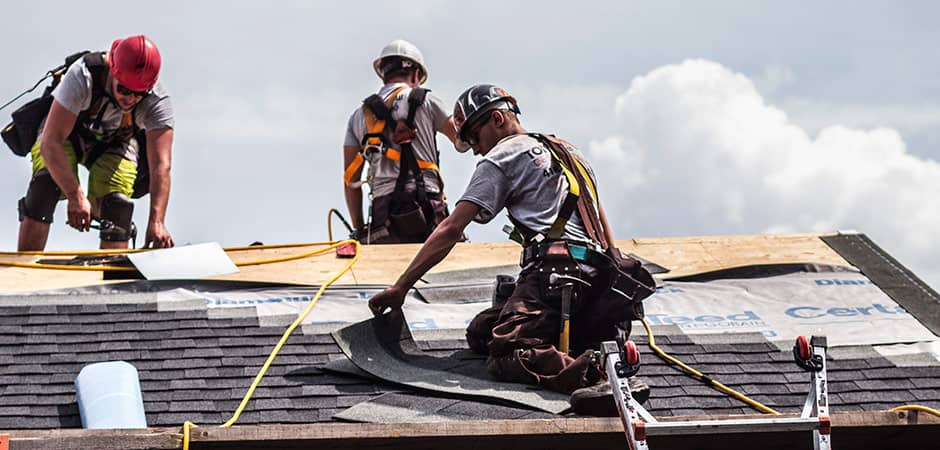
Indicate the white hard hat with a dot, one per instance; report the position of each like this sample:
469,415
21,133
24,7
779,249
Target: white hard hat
404,49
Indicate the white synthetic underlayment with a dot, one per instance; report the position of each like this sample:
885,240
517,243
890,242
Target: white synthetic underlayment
846,307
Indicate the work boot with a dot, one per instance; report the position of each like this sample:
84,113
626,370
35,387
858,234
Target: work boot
598,400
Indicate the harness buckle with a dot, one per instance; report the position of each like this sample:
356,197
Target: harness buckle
370,149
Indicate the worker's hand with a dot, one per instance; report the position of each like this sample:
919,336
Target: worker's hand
79,212
391,298
158,236
360,233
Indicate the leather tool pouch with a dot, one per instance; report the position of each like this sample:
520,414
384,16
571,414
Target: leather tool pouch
406,218
556,259
630,283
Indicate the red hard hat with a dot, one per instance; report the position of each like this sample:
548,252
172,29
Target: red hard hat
135,62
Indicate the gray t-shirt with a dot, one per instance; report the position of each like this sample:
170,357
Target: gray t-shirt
519,174
155,111
383,172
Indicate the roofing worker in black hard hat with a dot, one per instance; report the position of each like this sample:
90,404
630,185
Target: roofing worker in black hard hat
549,191
394,131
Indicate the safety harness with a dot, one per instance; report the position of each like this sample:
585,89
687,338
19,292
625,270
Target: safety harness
376,114
581,197
22,132
395,145
628,278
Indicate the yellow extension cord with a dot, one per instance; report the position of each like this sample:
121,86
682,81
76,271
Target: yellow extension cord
698,375
916,408
701,377
126,269
187,425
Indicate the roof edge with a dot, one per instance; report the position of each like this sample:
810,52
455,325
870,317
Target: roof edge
892,277
868,427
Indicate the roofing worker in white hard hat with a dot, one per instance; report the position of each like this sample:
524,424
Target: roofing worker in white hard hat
394,132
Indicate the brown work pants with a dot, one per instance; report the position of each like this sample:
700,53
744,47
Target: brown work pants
521,335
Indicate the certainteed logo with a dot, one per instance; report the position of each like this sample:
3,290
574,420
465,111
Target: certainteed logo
257,301
835,282
744,319
815,312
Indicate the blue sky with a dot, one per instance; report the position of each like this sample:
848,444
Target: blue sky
710,118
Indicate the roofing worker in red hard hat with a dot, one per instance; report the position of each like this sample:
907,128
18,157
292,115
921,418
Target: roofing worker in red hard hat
394,132
108,111
549,191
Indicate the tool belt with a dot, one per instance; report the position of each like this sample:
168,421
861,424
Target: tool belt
551,250
399,218
618,279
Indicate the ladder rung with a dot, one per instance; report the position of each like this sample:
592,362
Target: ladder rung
732,426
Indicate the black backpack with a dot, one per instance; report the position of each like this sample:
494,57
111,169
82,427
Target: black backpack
21,133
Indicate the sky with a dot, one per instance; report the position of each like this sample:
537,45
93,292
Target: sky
717,118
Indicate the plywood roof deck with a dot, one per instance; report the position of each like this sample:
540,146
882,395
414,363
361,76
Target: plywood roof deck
381,264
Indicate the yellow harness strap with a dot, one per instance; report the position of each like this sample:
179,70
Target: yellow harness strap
374,126
353,168
395,155
574,189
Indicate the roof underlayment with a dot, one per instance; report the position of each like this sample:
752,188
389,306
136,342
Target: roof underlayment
197,345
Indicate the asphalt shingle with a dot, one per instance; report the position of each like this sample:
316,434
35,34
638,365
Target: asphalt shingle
197,368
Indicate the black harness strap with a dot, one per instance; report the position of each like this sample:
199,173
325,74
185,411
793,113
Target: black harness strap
409,162
415,100
99,100
377,105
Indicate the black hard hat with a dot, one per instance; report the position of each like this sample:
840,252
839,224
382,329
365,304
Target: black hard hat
476,101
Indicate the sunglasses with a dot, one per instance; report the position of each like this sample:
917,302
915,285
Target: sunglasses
473,133
125,91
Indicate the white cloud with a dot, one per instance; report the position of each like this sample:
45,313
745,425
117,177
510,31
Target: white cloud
714,158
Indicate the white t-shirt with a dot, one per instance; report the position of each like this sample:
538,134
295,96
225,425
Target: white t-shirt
520,174
383,172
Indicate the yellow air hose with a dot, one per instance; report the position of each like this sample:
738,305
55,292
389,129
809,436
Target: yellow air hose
187,426
104,268
925,409
329,222
702,377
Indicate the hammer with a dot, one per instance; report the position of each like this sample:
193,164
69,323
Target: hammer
567,289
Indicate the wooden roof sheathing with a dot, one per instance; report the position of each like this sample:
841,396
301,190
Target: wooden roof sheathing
381,264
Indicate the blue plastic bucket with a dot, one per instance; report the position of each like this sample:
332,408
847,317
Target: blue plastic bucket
109,396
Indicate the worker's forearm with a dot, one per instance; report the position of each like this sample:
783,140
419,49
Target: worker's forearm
434,250
354,205
159,193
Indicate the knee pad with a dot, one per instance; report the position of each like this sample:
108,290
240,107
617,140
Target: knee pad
117,212
41,198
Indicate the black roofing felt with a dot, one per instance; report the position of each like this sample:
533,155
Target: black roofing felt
890,276
384,347
193,367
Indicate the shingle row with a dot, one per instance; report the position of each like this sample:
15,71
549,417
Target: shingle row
193,367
